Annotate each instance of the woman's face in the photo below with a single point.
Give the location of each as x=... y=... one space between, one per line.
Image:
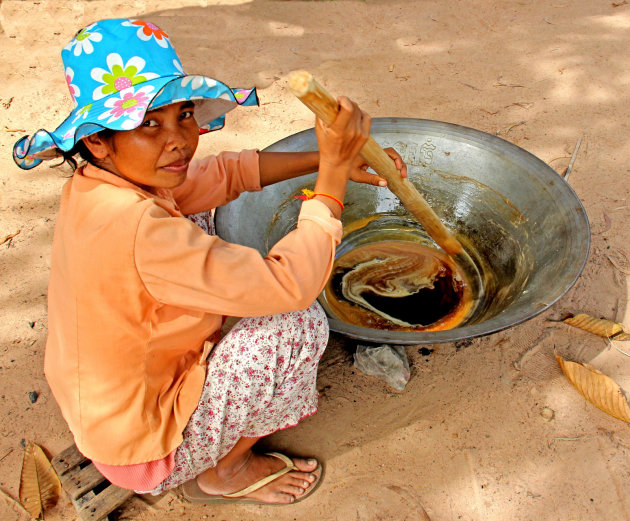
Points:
x=155 y=154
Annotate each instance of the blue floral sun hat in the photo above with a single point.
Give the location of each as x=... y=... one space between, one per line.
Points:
x=116 y=71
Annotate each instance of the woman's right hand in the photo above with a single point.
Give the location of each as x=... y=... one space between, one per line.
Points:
x=339 y=145
x=340 y=142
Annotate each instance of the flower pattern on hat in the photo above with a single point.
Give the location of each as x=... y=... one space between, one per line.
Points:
x=29 y=161
x=120 y=75
x=82 y=113
x=82 y=42
x=20 y=156
x=197 y=81
x=178 y=65
x=242 y=94
x=146 y=31
x=131 y=104
x=75 y=92
x=70 y=133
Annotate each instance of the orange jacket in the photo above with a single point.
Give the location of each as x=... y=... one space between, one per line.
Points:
x=137 y=292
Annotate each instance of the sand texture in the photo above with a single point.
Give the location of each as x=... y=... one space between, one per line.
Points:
x=471 y=437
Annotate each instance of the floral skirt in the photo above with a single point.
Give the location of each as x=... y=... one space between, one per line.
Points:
x=261 y=378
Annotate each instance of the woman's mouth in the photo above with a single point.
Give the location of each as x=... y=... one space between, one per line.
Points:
x=177 y=166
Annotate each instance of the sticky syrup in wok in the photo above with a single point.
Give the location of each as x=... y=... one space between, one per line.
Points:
x=400 y=286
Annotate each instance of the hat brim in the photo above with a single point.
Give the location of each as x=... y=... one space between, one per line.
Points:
x=125 y=110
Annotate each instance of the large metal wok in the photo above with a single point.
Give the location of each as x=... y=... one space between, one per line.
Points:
x=518 y=219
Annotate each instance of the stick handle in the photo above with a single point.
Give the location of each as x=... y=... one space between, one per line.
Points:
x=316 y=98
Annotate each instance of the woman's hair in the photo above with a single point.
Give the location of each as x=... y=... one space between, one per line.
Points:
x=83 y=152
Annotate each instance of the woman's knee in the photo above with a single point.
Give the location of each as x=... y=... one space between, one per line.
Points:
x=310 y=326
x=284 y=333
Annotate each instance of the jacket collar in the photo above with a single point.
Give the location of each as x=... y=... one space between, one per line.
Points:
x=162 y=196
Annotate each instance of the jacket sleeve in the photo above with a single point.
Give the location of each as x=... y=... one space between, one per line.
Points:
x=217 y=180
x=182 y=266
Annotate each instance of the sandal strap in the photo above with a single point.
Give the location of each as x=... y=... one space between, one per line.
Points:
x=264 y=481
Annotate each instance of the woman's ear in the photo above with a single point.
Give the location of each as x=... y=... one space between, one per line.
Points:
x=98 y=147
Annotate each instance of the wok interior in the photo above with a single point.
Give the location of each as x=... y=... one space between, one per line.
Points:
x=494 y=233
x=387 y=277
x=520 y=222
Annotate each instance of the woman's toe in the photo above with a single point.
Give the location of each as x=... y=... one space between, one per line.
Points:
x=305 y=465
x=302 y=481
x=293 y=490
x=283 y=497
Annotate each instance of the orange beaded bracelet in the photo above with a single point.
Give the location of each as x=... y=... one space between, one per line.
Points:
x=309 y=194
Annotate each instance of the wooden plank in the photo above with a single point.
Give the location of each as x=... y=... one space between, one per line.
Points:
x=78 y=481
x=84 y=500
x=104 y=503
x=67 y=459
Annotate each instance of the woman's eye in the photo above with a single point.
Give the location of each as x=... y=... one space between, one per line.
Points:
x=150 y=123
x=187 y=114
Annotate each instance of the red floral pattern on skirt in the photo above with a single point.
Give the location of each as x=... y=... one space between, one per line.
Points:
x=261 y=378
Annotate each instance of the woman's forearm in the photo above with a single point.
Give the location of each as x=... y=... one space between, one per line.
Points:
x=278 y=166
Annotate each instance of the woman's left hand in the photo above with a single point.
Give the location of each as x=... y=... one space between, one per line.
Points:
x=360 y=175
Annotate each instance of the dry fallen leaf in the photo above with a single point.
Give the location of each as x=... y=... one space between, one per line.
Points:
x=11 y=507
x=598 y=326
x=607 y=222
x=39 y=484
x=619 y=259
x=501 y=83
x=509 y=129
x=522 y=104
x=422 y=513
x=597 y=388
x=9 y=237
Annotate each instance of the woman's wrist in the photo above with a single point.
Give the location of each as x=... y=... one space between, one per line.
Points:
x=331 y=194
x=332 y=204
x=334 y=185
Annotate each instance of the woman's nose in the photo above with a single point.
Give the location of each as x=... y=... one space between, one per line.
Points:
x=176 y=139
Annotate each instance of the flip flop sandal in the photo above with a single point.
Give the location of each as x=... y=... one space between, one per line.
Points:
x=191 y=492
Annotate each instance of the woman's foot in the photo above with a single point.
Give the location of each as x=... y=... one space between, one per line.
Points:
x=224 y=479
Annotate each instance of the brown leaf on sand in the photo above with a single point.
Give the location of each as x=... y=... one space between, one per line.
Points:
x=598 y=326
x=509 y=128
x=39 y=484
x=607 y=223
x=9 y=237
x=619 y=259
x=422 y=513
x=12 y=510
x=597 y=388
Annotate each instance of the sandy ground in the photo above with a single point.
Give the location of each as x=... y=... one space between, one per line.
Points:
x=466 y=439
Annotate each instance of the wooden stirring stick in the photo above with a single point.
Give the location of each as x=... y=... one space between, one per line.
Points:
x=316 y=98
